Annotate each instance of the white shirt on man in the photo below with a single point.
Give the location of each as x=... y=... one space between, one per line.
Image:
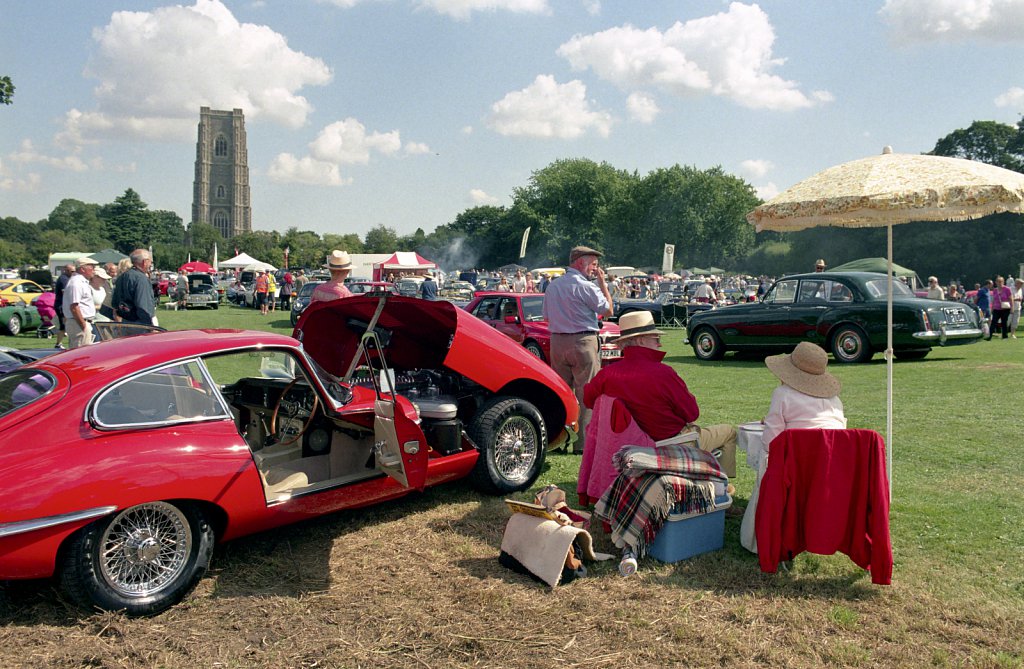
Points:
x=78 y=292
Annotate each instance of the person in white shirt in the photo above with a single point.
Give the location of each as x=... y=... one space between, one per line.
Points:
x=808 y=396
x=935 y=291
x=99 y=286
x=1018 y=297
x=79 y=307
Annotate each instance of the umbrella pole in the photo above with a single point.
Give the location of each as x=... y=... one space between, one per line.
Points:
x=888 y=366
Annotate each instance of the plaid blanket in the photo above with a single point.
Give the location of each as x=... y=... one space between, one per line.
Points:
x=650 y=483
x=680 y=460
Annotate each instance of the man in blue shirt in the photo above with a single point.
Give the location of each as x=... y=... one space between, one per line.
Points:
x=572 y=305
x=428 y=289
x=983 y=299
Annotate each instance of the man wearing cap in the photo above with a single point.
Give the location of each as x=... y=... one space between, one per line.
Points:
x=340 y=265
x=819 y=265
x=572 y=306
x=655 y=395
x=79 y=309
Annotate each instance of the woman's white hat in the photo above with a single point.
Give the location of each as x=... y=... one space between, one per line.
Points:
x=339 y=260
x=637 y=324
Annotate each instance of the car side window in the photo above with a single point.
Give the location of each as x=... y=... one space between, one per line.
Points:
x=840 y=293
x=509 y=308
x=783 y=292
x=176 y=393
x=487 y=309
x=813 y=291
x=533 y=308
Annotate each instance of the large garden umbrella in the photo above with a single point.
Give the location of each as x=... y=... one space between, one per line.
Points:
x=889 y=189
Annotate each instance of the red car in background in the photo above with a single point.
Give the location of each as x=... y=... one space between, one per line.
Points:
x=521 y=317
x=123 y=463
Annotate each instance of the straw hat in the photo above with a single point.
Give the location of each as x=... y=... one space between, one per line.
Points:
x=804 y=370
x=339 y=260
x=820 y=263
x=102 y=273
x=637 y=324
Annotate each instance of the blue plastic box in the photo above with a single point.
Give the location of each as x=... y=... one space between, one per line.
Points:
x=686 y=535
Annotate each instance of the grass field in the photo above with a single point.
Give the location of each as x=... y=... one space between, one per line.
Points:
x=416 y=583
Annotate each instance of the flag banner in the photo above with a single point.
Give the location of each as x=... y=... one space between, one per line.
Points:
x=522 y=246
x=667 y=258
x=215 y=268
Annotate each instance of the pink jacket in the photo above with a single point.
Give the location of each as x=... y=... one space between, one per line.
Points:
x=611 y=427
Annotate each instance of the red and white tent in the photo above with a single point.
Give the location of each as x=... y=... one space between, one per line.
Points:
x=402 y=261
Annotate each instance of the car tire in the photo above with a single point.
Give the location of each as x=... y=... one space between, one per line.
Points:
x=14 y=325
x=911 y=355
x=849 y=344
x=707 y=345
x=512 y=438
x=534 y=348
x=215 y=305
x=141 y=560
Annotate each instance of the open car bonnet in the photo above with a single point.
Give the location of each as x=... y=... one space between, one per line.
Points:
x=418 y=334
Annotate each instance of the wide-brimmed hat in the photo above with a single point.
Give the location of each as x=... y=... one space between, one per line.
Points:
x=805 y=370
x=636 y=324
x=339 y=260
x=102 y=273
x=578 y=252
x=819 y=263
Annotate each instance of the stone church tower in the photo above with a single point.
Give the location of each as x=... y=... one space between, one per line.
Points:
x=220 y=192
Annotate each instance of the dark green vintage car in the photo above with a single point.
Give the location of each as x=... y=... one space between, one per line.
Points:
x=843 y=312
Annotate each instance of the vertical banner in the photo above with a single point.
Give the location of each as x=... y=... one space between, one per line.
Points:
x=522 y=245
x=667 y=258
x=215 y=268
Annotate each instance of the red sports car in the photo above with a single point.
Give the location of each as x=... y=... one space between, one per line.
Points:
x=521 y=317
x=124 y=462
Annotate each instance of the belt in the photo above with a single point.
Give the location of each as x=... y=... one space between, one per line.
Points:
x=584 y=332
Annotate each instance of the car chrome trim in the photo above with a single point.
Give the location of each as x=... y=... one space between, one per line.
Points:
x=23 y=526
x=943 y=335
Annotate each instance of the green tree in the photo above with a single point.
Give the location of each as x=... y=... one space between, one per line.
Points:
x=988 y=142
x=6 y=90
x=305 y=248
x=202 y=237
x=166 y=227
x=380 y=239
x=261 y=245
x=129 y=222
x=80 y=219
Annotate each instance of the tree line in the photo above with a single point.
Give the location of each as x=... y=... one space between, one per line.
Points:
x=574 y=201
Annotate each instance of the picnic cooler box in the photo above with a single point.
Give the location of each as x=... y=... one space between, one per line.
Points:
x=685 y=535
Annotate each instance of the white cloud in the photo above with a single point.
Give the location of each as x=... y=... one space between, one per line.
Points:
x=416 y=148
x=546 y=108
x=767 y=191
x=461 y=9
x=727 y=54
x=1012 y=97
x=756 y=168
x=286 y=168
x=954 y=20
x=479 y=197
x=467 y=130
x=10 y=182
x=642 y=107
x=346 y=142
x=155 y=69
x=27 y=153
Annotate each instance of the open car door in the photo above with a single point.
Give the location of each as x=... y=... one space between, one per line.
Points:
x=399 y=444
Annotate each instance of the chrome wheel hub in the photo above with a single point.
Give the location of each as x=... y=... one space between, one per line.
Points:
x=144 y=549
x=516 y=448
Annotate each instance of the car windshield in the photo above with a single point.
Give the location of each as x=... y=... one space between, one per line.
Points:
x=880 y=288
x=22 y=387
x=308 y=288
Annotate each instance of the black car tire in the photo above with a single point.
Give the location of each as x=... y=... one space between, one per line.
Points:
x=140 y=560
x=707 y=345
x=911 y=355
x=849 y=344
x=512 y=439
x=534 y=348
x=14 y=325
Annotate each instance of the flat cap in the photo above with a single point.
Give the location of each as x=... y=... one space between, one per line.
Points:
x=580 y=251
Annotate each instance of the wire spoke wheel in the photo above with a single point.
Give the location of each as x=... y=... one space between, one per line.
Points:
x=144 y=549
x=516 y=448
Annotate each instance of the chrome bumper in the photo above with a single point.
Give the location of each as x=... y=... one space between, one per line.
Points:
x=942 y=336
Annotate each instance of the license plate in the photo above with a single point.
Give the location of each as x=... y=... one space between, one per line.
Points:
x=611 y=353
x=955 y=315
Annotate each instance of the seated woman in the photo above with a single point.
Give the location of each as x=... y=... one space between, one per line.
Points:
x=806 y=398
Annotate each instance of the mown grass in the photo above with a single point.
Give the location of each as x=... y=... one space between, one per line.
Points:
x=416 y=582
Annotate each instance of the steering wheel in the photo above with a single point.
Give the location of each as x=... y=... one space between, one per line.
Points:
x=277 y=409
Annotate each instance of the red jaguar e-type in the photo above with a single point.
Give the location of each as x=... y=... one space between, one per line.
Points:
x=122 y=463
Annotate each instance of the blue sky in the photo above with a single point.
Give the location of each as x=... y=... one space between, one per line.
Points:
x=407 y=112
